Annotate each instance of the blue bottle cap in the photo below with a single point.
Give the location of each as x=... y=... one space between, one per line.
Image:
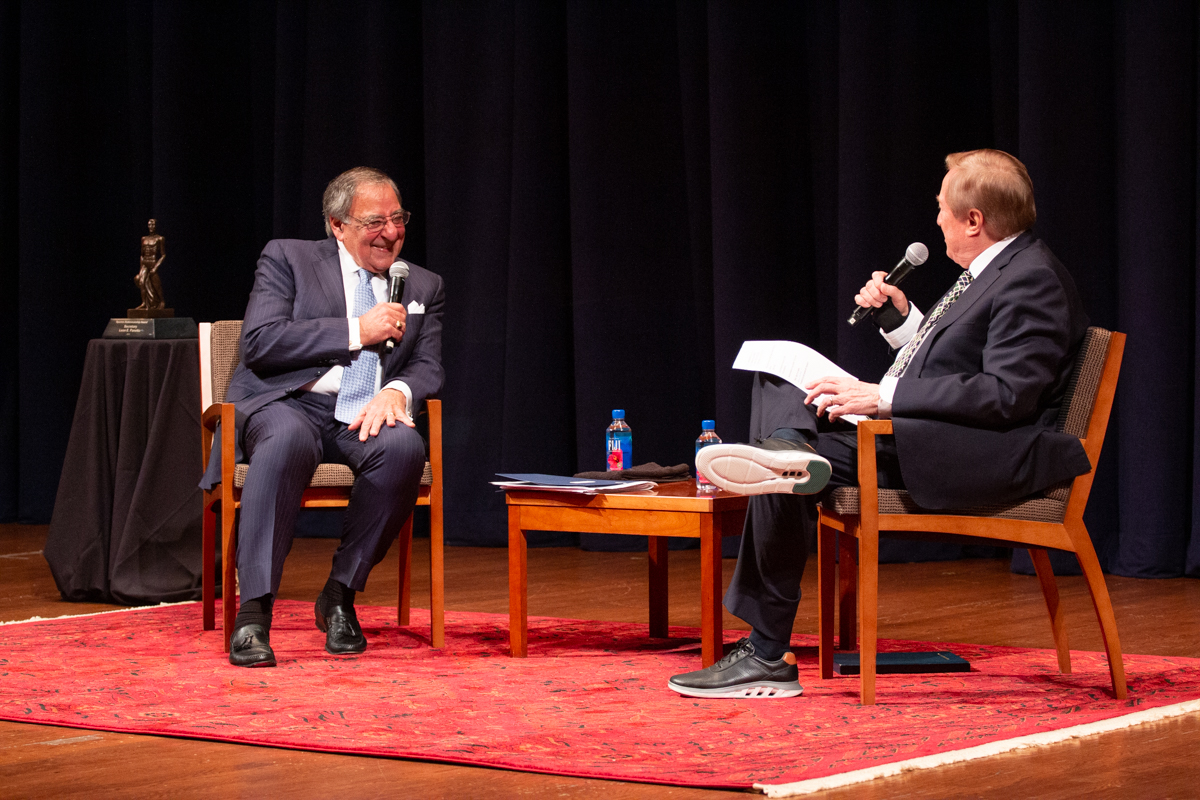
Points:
x=618 y=413
x=708 y=425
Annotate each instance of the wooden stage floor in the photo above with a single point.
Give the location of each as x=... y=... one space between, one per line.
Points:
x=967 y=601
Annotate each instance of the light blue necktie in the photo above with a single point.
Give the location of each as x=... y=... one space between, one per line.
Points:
x=906 y=354
x=358 y=379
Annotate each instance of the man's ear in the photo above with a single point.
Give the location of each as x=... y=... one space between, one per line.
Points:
x=338 y=227
x=974 y=222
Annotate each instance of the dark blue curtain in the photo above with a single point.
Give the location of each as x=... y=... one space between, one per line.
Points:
x=617 y=194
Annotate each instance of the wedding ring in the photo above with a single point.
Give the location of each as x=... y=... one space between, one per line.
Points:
x=397 y=324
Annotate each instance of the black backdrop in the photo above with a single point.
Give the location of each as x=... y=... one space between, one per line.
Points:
x=617 y=194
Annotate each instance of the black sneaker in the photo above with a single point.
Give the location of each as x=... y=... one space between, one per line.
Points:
x=741 y=674
x=773 y=466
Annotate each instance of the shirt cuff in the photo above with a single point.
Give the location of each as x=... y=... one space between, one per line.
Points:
x=898 y=337
x=402 y=387
x=887 y=390
x=355 y=335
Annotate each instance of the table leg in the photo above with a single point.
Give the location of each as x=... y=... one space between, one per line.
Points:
x=658 y=587
x=518 y=607
x=711 y=631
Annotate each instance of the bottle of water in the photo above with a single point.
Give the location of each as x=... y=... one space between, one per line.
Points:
x=620 y=442
x=707 y=436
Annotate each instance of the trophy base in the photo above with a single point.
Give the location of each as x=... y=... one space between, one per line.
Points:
x=151 y=328
x=151 y=313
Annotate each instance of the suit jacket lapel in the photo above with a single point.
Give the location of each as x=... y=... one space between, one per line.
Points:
x=978 y=288
x=329 y=275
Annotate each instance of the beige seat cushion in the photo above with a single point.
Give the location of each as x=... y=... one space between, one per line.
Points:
x=327 y=475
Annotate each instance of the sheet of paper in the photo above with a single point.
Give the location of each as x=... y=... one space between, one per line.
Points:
x=797 y=364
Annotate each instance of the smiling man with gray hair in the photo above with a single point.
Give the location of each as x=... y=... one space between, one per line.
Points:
x=315 y=384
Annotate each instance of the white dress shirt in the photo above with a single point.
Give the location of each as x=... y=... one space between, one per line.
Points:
x=898 y=337
x=331 y=381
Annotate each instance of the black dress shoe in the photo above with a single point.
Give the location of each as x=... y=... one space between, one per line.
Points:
x=343 y=635
x=250 y=646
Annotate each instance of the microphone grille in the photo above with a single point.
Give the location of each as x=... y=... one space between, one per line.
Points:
x=915 y=254
x=400 y=269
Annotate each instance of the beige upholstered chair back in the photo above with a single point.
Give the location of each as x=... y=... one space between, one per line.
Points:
x=225 y=352
x=1076 y=411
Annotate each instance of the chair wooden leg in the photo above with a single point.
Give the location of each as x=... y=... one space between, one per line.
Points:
x=1045 y=573
x=437 y=580
x=228 y=568
x=208 y=567
x=848 y=589
x=1103 y=605
x=404 y=550
x=868 y=611
x=826 y=544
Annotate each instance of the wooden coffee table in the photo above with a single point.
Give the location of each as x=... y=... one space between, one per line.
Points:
x=673 y=509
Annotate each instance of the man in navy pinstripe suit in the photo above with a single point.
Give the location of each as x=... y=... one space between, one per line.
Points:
x=301 y=339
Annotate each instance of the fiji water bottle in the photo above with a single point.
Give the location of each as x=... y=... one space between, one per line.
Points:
x=620 y=442
x=707 y=436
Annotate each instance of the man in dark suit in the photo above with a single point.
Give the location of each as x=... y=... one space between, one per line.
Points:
x=316 y=383
x=973 y=395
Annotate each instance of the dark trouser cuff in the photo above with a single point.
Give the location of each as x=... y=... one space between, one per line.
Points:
x=768 y=649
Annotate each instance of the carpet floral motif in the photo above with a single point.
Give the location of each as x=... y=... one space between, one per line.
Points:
x=590 y=700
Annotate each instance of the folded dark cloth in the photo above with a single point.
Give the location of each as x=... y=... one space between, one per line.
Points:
x=642 y=472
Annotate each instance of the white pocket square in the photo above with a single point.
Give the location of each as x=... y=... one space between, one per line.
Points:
x=416 y=308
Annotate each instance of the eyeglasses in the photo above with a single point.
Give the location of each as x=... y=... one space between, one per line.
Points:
x=376 y=224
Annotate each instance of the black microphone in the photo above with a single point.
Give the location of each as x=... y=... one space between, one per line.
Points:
x=398 y=272
x=914 y=257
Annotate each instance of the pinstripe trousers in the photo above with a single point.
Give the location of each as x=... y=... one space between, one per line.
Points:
x=283 y=442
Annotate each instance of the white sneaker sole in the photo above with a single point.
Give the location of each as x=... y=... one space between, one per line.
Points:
x=761 y=690
x=746 y=469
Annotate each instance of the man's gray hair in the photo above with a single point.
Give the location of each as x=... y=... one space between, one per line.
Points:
x=339 y=194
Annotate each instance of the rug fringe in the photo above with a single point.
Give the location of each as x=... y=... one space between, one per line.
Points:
x=982 y=751
x=98 y=613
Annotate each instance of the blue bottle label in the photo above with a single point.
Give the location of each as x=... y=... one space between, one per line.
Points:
x=620 y=450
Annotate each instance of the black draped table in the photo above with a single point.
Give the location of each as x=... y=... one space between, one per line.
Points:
x=126 y=521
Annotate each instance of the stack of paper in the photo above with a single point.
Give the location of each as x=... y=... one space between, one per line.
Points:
x=564 y=483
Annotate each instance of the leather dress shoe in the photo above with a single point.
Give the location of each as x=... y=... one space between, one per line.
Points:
x=772 y=466
x=343 y=635
x=250 y=646
x=741 y=674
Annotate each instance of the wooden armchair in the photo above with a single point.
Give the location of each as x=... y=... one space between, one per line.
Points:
x=330 y=487
x=1053 y=521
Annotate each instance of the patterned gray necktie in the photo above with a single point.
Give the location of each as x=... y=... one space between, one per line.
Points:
x=358 y=379
x=909 y=350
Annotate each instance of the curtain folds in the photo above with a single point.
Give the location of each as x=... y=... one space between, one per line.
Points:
x=617 y=195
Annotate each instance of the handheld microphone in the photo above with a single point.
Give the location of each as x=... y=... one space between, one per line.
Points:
x=914 y=257
x=398 y=272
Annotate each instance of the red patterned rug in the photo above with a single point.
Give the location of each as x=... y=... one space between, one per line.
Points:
x=590 y=701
